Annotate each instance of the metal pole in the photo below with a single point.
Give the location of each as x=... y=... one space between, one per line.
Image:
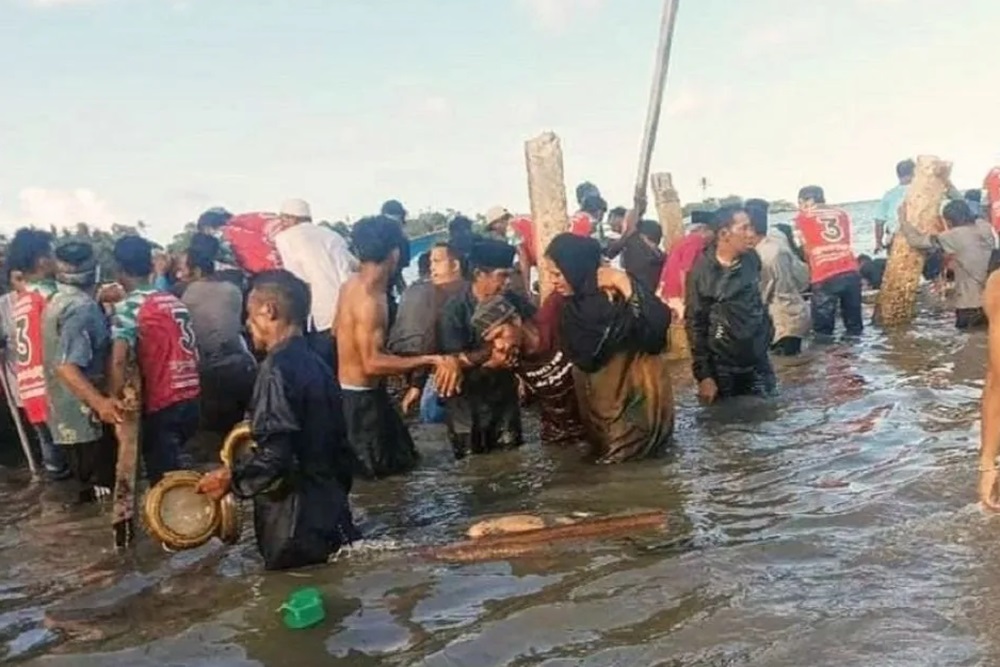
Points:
x=656 y=93
x=16 y=417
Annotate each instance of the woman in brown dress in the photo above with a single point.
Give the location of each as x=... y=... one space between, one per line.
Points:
x=613 y=330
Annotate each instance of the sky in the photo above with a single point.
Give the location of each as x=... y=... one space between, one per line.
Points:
x=154 y=110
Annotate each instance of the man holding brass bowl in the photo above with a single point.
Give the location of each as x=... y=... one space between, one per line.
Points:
x=299 y=474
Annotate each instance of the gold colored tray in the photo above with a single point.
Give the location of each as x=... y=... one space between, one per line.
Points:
x=177 y=515
x=230 y=521
x=238 y=440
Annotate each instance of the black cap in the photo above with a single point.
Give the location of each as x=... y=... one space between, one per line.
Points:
x=214 y=217
x=394 y=208
x=75 y=253
x=491 y=254
x=702 y=217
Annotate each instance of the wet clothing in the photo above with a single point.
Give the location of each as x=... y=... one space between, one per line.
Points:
x=970 y=247
x=789 y=346
x=165 y=434
x=300 y=474
x=627 y=403
x=226 y=388
x=826 y=239
x=431 y=408
x=841 y=292
x=970 y=318
x=380 y=441
x=486 y=415
x=93 y=463
x=74 y=331
x=728 y=325
x=783 y=279
x=325 y=347
x=158 y=327
x=594 y=327
x=548 y=376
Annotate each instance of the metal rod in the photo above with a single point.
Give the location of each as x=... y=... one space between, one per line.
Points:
x=16 y=416
x=656 y=93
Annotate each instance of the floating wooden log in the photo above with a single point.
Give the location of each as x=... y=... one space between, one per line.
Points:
x=898 y=296
x=547 y=192
x=532 y=540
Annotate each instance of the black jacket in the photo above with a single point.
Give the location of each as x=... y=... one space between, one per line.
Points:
x=299 y=476
x=728 y=326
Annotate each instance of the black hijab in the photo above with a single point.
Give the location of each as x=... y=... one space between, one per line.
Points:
x=592 y=325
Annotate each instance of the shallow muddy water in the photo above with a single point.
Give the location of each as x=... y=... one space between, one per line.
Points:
x=833 y=525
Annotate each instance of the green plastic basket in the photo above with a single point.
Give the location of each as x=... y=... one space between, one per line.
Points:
x=303 y=609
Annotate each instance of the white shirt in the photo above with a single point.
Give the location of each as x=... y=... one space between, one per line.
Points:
x=321 y=258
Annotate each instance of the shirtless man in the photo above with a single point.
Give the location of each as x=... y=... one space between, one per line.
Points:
x=377 y=434
x=989 y=446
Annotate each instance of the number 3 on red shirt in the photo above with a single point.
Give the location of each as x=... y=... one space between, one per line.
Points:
x=832 y=231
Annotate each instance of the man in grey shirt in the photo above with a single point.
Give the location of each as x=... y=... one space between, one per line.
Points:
x=77 y=344
x=226 y=366
x=969 y=242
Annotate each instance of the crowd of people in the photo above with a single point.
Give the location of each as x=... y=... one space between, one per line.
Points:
x=304 y=343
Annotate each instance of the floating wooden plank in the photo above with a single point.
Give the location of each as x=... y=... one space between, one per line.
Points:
x=547 y=193
x=519 y=542
x=124 y=509
x=898 y=297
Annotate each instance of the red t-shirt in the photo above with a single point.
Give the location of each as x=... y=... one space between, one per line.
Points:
x=29 y=362
x=251 y=238
x=158 y=326
x=826 y=238
x=582 y=224
x=524 y=228
x=992 y=187
x=680 y=260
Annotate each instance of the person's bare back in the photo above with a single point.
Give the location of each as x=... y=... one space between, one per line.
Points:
x=362 y=316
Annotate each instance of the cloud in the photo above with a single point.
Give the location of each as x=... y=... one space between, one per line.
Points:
x=778 y=37
x=690 y=101
x=554 y=15
x=63 y=208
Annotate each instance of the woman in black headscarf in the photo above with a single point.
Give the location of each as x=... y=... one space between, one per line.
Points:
x=614 y=331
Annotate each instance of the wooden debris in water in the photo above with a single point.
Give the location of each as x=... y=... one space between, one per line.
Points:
x=520 y=543
x=898 y=297
x=547 y=192
x=124 y=506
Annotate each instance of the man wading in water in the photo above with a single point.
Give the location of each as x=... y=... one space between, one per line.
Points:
x=381 y=442
x=299 y=475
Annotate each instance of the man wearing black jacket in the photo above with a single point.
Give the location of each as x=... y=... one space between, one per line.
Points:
x=727 y=323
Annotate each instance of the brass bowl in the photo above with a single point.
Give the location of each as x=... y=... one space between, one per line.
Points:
x=230 y=521
x=177 y=515
x=237 y=444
